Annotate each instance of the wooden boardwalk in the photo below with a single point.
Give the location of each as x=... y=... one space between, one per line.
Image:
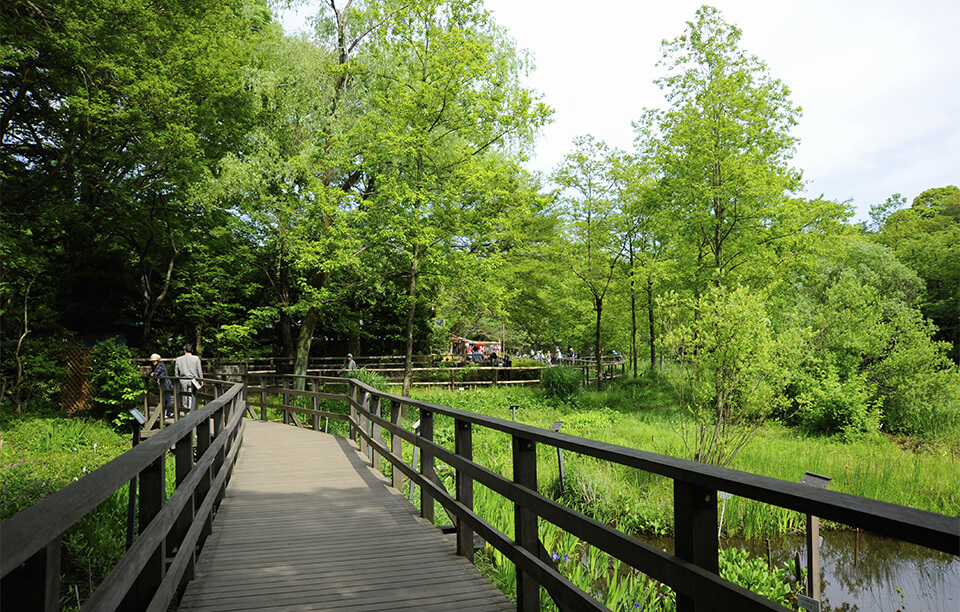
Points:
x=306 y=524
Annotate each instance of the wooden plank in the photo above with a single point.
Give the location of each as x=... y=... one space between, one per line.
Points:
x=306 y=524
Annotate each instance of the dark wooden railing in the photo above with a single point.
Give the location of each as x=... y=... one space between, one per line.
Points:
x=692 y=572
x=161 y=560
x=171 y=531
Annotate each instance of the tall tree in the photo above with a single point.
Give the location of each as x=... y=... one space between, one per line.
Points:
x=590 y=197
x=721 y=148
x=447 y=100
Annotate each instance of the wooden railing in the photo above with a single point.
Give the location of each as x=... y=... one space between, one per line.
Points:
x=692 y=572
x=171 y=531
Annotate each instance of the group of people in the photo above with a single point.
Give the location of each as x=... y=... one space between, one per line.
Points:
x=188 y=369
x=552 y=357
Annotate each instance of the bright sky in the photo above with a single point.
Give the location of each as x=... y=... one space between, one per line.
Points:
x=878 y=80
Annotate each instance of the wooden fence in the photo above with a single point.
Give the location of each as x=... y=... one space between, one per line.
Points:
x=692 y=572
x=171 y=531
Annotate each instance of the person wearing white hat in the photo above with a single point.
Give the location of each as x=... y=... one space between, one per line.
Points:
x=350 y=365
x=159 y=371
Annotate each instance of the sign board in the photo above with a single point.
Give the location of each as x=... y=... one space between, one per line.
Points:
x=724 y=495
x=808 y=603
x=816 y=480
x=137 y=415
x=556 y=426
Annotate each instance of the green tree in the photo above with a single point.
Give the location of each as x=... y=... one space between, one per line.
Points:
x=447 y=102
x=721 y=150
x=926 y=237
x=733 y=366
x=112 y=113
x=593 y=227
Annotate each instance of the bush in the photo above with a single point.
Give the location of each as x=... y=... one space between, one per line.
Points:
x=369 y=377
x=561 y=381
x=117 y=383
x=829 y=405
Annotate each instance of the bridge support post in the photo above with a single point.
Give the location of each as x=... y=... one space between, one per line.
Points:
x=203 y=487
x=396 y=444
x=353 y=412
x=375 y=433
x=363 y=423
x=464 y=448
x=35 y=585
x=525 y=521
x=153 y=495
x=695 y=518
x=183 y=457
x=426 y=463
x=315 y=387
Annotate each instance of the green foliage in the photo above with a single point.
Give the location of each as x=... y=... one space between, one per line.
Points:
x=117 y=383
x=561 y=381
x=370 y=377
x=732 y=364
x=753 y=574
x=829 y=405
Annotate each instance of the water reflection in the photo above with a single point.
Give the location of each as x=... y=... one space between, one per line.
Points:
x=867 y=572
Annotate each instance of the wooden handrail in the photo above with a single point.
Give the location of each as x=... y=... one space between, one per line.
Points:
x=692 y=572
x=140 y=579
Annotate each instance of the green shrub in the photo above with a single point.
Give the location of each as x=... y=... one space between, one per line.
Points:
x=369 y=377
x=117 y=383
x=829 y=405
x=753 y=574
x=561 y=381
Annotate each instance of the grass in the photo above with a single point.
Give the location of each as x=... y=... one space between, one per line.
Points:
x=644 y=414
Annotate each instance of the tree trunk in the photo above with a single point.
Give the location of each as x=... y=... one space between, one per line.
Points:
x=633 y=314
x=598 y=305
x=151 y=305
x=304 y=340
x=653 y=342
x=411 y=317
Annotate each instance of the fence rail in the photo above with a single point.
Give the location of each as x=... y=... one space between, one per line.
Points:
x=171 y=531
x=693 y=572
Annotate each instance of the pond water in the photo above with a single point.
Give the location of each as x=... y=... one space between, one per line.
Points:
x=865 y=572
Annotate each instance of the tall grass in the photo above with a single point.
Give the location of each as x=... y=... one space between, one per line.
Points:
x=643 y=414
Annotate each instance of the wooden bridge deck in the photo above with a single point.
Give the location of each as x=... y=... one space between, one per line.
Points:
x=306 y=524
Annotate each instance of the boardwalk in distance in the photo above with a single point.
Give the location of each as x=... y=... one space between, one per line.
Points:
x=306 y=524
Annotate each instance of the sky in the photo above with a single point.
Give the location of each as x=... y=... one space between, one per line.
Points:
x=878 y=80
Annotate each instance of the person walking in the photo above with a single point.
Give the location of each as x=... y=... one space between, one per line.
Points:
x=349 y=366
x=164 y=384
x=190 y=370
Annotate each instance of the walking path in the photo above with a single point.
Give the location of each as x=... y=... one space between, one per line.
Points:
x=306 y=524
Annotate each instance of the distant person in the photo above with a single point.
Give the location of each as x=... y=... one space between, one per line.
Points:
x=189 y=369
x=159 y=371
x=349 y=366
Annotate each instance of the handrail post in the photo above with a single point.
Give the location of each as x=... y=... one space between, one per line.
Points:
x=525 y=521
x=464 y=449
x=695 y=520
x=396 y=444
x=375 y=432
x=37 y=581
x=315 y=387
x=183 y=457
x=203 y=487
x=363 y=423
x=218 y=425
x=263 y=397
x=353 y=411
x=426 y=463
x=153 y=495
x=286 y=398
